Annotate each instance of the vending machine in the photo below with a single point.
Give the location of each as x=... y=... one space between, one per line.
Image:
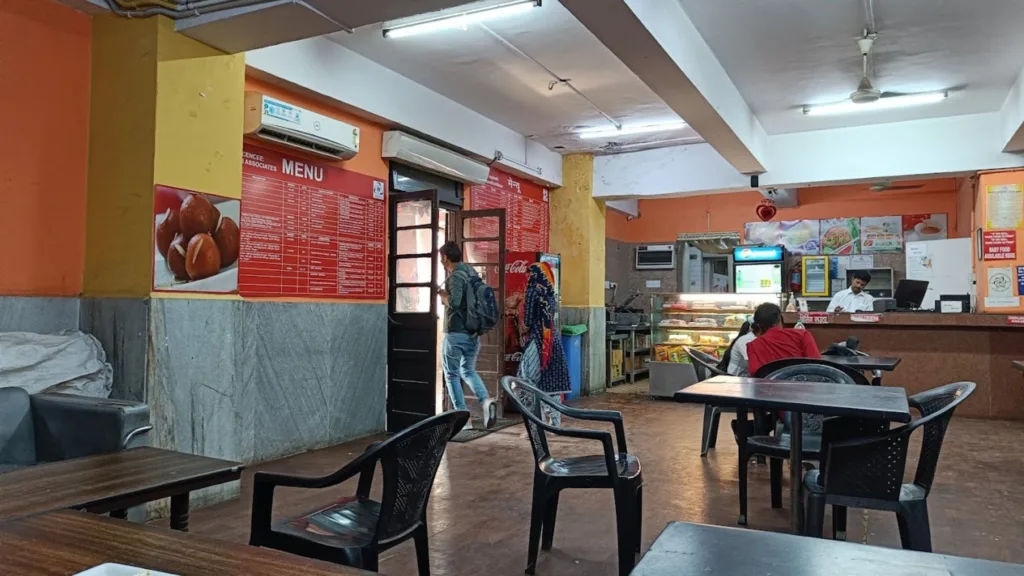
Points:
x=517 y=273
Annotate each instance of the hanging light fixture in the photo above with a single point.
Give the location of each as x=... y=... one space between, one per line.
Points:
x=460 y=20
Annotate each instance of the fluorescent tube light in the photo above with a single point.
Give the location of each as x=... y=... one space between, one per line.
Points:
x=460 y=20
x=629 y=130
x=883 y=103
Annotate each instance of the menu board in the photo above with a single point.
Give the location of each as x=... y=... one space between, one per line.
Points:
x=309 y=229
x=527 y=214
x=798 y=236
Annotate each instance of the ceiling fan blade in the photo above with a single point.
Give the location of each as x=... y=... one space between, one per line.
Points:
x=906 y=187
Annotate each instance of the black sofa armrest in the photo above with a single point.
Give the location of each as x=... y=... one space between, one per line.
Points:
x=68 y=426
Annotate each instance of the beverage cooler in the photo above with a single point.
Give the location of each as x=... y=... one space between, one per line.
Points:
x=517 y=273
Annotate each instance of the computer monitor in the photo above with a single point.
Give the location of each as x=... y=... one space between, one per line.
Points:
x=910 y=293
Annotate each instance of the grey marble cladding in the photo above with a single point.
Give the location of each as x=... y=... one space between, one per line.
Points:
x=594 y=378
x=38 y=314
x=620 y=267
x=121 y=326
x=253 y=381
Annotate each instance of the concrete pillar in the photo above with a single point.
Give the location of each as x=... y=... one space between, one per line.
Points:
x=578 y=234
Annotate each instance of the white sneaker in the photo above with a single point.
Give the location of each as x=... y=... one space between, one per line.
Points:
x=489 y=412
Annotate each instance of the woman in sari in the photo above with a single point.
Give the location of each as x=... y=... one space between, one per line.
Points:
x=543 y=363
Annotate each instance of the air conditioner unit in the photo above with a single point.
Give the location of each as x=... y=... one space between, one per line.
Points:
x=401 y=147
x=656 y=257
x=279 y=122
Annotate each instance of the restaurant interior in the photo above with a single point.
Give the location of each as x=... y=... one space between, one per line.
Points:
x=343 y=287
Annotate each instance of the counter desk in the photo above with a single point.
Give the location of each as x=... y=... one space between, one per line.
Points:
x=938 y=349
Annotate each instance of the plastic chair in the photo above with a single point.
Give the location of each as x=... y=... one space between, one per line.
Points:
x=777 y=447
x=706 y=366
x=857 y=376
x=864 y=463
x=619 y=472
x=354 y=530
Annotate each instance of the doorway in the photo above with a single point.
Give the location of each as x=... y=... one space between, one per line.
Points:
x=425 y=211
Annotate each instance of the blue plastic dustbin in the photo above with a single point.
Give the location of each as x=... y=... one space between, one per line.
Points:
x=572 y=343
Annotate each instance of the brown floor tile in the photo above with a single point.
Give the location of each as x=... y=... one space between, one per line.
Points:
x=480 y=507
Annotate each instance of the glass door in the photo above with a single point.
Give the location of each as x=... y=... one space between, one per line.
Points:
x=481 y=234
x=413 y=307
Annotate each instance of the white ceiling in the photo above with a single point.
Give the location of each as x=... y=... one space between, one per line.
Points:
x=478 y=71
x=782 y=54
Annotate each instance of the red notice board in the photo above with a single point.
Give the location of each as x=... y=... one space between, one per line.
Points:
x=310 y=229
x=999 y=244
x=527 y=214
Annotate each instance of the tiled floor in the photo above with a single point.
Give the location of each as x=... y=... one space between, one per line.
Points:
x=479 y=511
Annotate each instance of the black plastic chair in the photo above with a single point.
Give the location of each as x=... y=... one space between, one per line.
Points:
x=354 y=530
x=706 y=366
x=618 y=471
x=864 y=463
x=857 y=376
x=777 y=447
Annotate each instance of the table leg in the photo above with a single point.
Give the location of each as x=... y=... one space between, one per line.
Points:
x=741 y=442
x=179 y=512
x=796 y=480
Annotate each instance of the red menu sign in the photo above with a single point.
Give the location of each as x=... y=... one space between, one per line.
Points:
x=999 y=244
x=527 y=215
x=310 y=229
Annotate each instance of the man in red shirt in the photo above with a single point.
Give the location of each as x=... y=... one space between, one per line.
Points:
x=776 y=342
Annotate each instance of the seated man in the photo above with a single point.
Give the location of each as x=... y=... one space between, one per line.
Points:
x=775 y=342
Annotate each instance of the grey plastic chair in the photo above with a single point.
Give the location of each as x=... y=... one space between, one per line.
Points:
x=706 y=366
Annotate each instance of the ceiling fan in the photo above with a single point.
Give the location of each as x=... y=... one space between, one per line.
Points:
x=886 y=185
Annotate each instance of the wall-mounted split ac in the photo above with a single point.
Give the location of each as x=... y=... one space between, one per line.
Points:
x=279 y=122
x=656 y=257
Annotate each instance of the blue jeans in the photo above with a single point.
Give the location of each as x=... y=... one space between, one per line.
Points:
x=458 y=358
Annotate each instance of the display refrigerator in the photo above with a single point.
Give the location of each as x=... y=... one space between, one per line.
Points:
x=517 y=273
x=759 y=269
x=707 y=322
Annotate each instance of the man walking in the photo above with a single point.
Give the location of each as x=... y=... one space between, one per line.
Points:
x=460 y=347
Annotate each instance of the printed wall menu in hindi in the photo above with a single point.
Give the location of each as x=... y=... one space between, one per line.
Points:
x=310 y=229
x=1004 y=206
x=527 y=213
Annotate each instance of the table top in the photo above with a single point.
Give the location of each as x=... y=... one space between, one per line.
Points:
x=103 y=482
x=879 y=402
x=684 y=548
x=884 y=363
x=68 y=542
x=1019 y=365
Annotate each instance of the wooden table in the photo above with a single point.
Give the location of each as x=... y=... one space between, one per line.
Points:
x=684 y=548
x=883 y=363
x=68 y=542
x=828 y=399
x=113 y=483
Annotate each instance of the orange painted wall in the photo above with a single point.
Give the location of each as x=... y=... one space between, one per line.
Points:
x=981 y=268
x=44 y=63
x=661 y=220
x=371 y=135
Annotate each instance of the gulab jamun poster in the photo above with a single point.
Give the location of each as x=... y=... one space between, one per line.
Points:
x=197 y=242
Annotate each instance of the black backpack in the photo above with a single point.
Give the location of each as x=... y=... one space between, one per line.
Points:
x=481 y=306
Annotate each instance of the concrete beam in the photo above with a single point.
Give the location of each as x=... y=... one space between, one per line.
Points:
x=658 y=42
x=323 y=69
x=1012 y=116
x=951 y=146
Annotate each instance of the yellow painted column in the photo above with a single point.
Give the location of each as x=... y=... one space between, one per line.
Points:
x=578 y=234
x=165 y=109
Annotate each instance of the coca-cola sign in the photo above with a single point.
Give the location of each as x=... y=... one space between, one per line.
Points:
x=517 y=267
x=514 y=357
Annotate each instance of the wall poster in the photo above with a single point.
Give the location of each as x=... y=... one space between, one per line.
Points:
x=922 y=227
x=310 y=229
x=527 y=213
x=196 y=242
x=840 y=236
x=881 y=234
x=1004 y=206
x=798 y=236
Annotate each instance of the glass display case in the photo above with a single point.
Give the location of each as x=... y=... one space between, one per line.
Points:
x=708 y=322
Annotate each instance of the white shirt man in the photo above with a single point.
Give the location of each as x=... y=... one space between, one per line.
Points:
x=738 y=356
x=854 y=298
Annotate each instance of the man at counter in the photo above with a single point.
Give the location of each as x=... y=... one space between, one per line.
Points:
x=776 y=342
x=853 y=299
